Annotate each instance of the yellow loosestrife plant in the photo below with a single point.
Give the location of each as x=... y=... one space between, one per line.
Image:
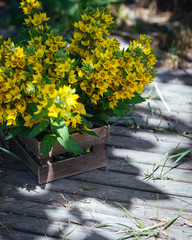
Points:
x=54 y=87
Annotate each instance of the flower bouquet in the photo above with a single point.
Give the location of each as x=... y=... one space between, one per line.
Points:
x=53 y=88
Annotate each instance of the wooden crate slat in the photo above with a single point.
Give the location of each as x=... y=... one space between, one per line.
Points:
x=72 y=166
x=45 y=170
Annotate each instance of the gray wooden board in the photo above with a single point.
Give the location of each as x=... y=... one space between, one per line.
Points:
x=122 y=166
x=154 y=136
x=148 y=158
x=81 y=214
x=49 y=228
x=178 y=115
x=154 y=123
x=101 y=191
x=19 y=235
x=179 y=80
x=131 y=142
x=174 y=88
x=175 y=106
x=52 y=228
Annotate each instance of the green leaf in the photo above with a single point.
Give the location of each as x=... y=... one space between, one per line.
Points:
x=86 y=122
x=42 y=114
x=48 y=142
x=6 y=127
x=63 y=133
x=68 y=40
x=105 y=105
x=15 y=132
x=32 y=108
x=90 y=133
x=120 y=109
x=47 y=80
x=58 y=123
x=135 y=100
x=39 y=128
x=102 y=116
x=70 y=145
x=27 y=74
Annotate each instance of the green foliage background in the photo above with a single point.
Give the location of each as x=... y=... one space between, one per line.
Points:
x=62 y=12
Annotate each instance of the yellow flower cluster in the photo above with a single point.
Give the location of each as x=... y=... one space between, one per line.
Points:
x=109 y=73
x=32 y=74
x=48 y=80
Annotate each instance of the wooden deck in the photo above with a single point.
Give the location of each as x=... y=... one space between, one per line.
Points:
x=91 y=204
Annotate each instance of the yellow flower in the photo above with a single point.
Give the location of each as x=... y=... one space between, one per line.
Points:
x=58 y=39
x=27 y=10
x=38 y=67
x=44 y=17
x=21 y=63
x=80 y=108
x=131 y=77
x=29 y=122
x=71 y=99
x=133 y=86
x=78 y=36
x=37 y=78
x=53 y=111
x=88 y=90
x=37 y=20
x=103 y=74
x=49 y=41
x=1 y=111
x=85 y=43
x=102 y=85
x=11 y=116
x=114 y=63
x=39 y=53
x=21 y=106
x=95 y=98
x=72 y=77
x=75 y=120
x=147 y=51
x=53 y=47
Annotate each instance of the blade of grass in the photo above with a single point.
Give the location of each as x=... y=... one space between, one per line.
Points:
x=181 y=155
x=134 y=234
x=70 y=233
x=183 y=135
x=175 y=217
x=14 y=155
x=103 y=225
x=139 y=224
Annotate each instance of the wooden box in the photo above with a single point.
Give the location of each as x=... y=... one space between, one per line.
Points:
x=45 y=169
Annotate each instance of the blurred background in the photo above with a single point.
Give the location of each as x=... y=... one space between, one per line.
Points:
x=169 y=23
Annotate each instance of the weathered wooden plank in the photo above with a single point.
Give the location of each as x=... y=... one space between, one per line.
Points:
x=18 y=235
x=156 y=136
x=130 y=142
x=175 y=106
x=79 y=213
x=131 y=156
x=144 y=170
x=131 y=182
x=184 y=117
x=173 y=88
x=154 y=123
x=164 y=71
x=51 y=228
x=85 y=189
x=180 y=79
